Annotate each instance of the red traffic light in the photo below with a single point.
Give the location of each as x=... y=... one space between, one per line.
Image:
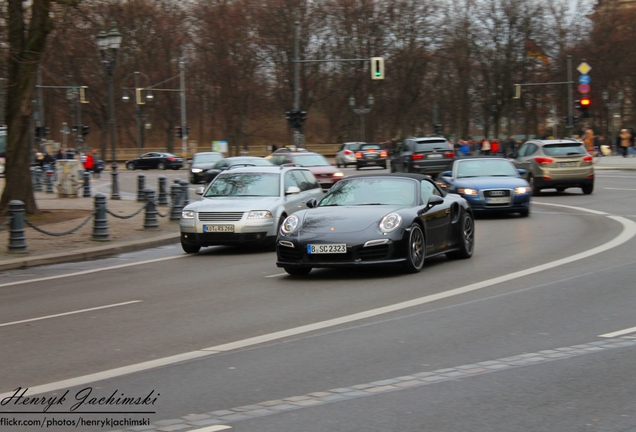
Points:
x=585 y=102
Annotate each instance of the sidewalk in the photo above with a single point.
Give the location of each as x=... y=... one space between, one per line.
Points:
x=125 y=235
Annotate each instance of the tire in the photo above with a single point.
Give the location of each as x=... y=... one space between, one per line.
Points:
x=190 y=248
x=588 y=188
x=525 y=213
x=467 y=240
x=130 y=166
x=161 y=166
x=357 y=167
x=535 y=190
x=416 y=250
x=297 y=271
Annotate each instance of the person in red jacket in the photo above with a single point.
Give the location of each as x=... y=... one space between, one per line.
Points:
x=89 y=163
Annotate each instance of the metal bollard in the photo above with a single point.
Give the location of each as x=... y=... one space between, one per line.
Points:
x=100 y=223
x=141 y=187
x=150 y=219
x=38 y=179
x=49 y=180
x=184 y=188
x=17 y=238
x=175 y=209
x=162 y=199
x=87 y=184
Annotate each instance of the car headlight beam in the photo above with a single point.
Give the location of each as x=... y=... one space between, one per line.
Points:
x=522 y=190
x=260 y=214
x=468 y=191
x=390 y=222
x=187 y=214
x=290 y=224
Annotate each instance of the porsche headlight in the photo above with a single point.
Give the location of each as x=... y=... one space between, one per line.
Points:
x=290 y=224
x=390 y=222
x=259 y=214
x=187 y=214
x=468 y=191
x=522 y=190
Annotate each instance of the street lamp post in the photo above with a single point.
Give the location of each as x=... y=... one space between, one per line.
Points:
x=109 y=43
x=361 y=112
x=612 y=106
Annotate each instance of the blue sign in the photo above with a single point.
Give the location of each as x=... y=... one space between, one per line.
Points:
x=584 y=79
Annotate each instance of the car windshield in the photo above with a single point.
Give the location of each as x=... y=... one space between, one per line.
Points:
x=206 y=158
x=564 y=149
x=245 y=184
x=310 y=160
x=370 y=147
x=486 y=168
x=353 y=147
x=371 y=191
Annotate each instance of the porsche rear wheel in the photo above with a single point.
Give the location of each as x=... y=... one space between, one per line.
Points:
x=467 y=240
x=297 y=271
x=415 y=254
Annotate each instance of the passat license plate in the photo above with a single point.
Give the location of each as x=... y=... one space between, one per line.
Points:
x=218 y=228
x=327 y=248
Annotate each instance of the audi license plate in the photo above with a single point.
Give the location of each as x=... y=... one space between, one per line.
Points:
x=218 y=228
x=327 y=248
x=501 y=200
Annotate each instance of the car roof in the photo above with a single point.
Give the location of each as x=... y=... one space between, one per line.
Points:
x=210 y=152
x=557 y=141
x=262 y=169
x=414 y=176
x=428 y=138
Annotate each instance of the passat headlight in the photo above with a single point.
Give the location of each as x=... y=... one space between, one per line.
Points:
x=467 y=191
x=259 y=214
x=290 y=224
x=522 y=190
x=390 y=222
x=187 y=214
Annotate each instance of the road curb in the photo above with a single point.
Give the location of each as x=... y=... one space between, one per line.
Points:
x=88 y=253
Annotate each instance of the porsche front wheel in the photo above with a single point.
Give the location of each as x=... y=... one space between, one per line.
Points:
x=415 y=253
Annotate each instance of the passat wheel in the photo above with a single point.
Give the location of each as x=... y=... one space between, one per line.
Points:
x=190 y=248
x=416 y=249
x=467 y=239
x=297 y=271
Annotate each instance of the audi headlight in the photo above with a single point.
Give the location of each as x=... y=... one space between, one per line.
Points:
x=290 y=224
x=187 y=214
x=522 y=190
x=196 y=170
x=468 y=191
x=390 y=222
x=259 y=214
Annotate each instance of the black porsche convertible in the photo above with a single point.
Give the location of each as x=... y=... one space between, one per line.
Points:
x=370 y=220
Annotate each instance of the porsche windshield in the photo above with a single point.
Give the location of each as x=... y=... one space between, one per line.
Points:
x=371 y=191
x=245 y=184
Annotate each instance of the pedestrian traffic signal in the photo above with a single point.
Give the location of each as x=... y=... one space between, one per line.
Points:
x=377 y=68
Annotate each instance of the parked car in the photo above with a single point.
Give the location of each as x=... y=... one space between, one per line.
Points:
x=233 y=162
x=246 y=205
x=373 y=220
x=282 y=150
x=155 y=160
x=346 y=155
x=326 y=173
x=371 y=154
x=488 y=184
x=201 y=162
x=558 y=164
x=426 y=155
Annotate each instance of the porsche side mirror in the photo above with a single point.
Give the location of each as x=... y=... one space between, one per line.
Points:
x=435 y=200
x=312 y=203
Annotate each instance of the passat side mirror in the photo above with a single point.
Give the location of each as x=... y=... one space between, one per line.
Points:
x=292 y=190
x=199 y=190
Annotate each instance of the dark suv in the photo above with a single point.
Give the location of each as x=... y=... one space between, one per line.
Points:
x=426 y=155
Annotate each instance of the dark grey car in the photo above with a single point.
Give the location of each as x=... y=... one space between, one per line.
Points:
x=425 y=155
x=201 y=162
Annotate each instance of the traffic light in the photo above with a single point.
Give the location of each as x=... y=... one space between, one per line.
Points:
x=187 y=130
x=437 y=128
x=584 y=105
x=377 y=68
x=178 y=131
x=85 y=130
x=302 y=116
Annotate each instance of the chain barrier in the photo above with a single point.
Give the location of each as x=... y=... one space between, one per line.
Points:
x=71 y=231
x=126 y=217
x=6 y=223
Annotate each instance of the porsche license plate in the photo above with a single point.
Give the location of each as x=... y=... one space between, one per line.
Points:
x=218 y=228
x=327 y=248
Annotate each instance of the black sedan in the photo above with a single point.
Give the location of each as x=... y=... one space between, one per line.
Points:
x=155 y=160
x=391 y=219
x=231 y=162
x=201 y=162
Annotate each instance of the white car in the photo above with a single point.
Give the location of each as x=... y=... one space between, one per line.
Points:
x=246 y=205
x=346 y=155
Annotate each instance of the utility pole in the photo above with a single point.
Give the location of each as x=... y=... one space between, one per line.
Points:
x=184 y=127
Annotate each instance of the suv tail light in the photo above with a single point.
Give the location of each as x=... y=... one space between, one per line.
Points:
x=588 y=158
x=449 y=155
x=348 y=152
x=417 y=156
x=543 y=160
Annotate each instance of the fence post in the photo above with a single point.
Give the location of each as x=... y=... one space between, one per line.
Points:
x=17 y=238
x=87 y=184
x=184 y=188
x=163 y=195
x=100 y=223
x=38 y=179
x=141 y=187
x=150 y=219
x=175 y=209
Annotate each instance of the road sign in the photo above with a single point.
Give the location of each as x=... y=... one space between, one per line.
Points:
x=584 y=68
x=584 y=88
x=584 y=79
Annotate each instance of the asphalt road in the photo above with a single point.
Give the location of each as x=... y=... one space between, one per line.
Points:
x=522 y=337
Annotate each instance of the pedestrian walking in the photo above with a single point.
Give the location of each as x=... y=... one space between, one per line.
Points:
x=624 y=141
x=485 y=147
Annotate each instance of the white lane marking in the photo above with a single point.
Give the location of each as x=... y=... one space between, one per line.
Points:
x=618 y=333
x=70 y=313
x=277 y=275
x=621 y=189
x=628 y=232
x=212 y=428
x=85 y=272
